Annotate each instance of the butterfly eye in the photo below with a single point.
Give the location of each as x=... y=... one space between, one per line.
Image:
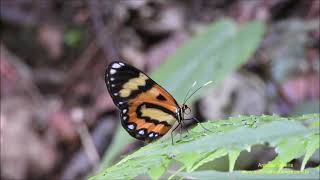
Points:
x=186 y=109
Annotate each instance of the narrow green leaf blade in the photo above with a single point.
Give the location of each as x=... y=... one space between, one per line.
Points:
x=312 y=145
x=233 y=155
x=210 y=56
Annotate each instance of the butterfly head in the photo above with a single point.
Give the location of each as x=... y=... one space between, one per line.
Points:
x=185 y=109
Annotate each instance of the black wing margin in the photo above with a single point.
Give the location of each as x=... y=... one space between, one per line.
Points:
x=119 y=73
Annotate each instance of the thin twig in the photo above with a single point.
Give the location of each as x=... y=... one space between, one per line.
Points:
x=88 y=145
x=104 y=37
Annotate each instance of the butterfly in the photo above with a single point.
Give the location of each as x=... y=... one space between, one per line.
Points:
x=147 y=110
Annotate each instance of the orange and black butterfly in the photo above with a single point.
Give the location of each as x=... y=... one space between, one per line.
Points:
x=148 y=111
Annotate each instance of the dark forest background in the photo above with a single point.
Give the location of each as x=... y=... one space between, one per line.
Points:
x=54 y=53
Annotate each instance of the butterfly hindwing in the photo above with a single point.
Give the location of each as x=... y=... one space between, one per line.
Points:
x=147 y=110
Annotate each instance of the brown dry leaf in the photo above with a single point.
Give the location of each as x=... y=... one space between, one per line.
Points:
x=133 y=56
x=301 y=88
x=170 y=19
x=81 y=16
x=244 y=11
x=51 y=38
x=61 y=122
x=136 y=4
x=23 y=152
x=16 y=77
x=8 y=77
x=103 y=102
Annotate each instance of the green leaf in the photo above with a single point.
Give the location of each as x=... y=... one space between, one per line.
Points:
x=233 y=155
x=211 y=55
x=212 y=156
x=287 y=149
x=157 y=170
x=245 y=135
x=288 y=135
x=188 y=159
x=312 y=145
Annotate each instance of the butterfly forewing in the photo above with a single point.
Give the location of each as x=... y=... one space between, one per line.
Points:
x=147 y=110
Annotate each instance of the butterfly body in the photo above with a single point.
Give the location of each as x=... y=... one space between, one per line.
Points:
x=147 y=110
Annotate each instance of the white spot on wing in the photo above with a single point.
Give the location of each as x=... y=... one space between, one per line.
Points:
x=112 y=85
x=115 y=65
x=151 y=135
x=115 y=94
x=121 y=63
x=112 y=71
x=141 y=132
x=124 y=111
x=131 y=126
x=112 y=79
x=124 y=117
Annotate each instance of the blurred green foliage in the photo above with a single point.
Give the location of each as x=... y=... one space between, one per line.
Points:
x=210 y=56
x=73 y=37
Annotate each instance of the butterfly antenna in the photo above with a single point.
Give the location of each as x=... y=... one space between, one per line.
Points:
x=207 y=83
x=185 y=98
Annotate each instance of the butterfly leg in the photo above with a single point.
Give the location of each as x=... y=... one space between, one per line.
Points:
x=186 y=128
x=174 y=130
x=188 y=132
x=180 y=131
